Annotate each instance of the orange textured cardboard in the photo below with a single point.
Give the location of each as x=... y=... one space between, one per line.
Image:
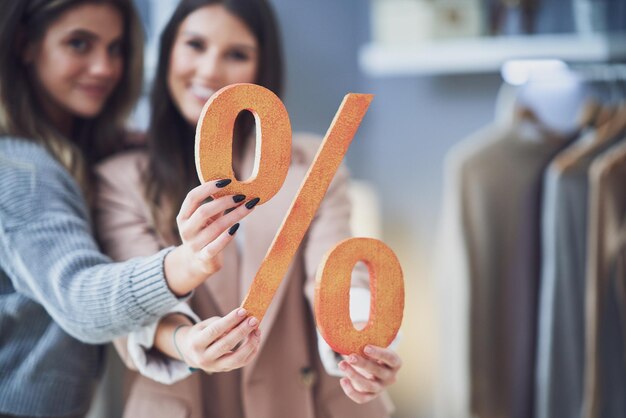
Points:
x=214 y=140
x=332 y=295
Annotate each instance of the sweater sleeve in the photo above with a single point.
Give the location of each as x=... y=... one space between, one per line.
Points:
x=48 y=252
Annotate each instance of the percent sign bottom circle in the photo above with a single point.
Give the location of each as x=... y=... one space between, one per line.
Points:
x=332 y=295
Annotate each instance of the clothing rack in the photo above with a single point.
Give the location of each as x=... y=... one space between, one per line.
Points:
x=556 y=91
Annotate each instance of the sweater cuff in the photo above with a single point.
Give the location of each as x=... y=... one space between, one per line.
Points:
x=149 y=286
x=152 y=363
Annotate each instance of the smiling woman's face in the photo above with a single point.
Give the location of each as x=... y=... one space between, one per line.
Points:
x=213 y=49
x=78 y=62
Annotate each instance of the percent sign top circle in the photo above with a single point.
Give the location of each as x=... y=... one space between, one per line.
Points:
x=214 y=140
x=214 y=160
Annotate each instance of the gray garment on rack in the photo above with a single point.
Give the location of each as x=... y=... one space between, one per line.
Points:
x=561 y=329
x=522 y=289
x=492 y=182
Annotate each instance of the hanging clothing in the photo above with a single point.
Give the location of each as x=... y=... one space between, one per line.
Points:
x=495 y=179
x=605 y=361
x=560 y=342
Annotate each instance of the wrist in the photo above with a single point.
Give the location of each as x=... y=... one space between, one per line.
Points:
x=178 y=336
x=177 y=276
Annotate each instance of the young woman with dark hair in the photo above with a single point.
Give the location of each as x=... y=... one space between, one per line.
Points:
x=171 y=163
x=209 y=44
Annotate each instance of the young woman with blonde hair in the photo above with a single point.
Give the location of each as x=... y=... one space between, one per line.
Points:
x=70 y=71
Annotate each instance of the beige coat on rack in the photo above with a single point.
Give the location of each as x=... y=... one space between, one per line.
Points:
x=605 y=252
x=286 y=378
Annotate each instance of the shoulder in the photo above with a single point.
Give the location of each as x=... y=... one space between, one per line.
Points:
x=22 y=154
x=32 y=180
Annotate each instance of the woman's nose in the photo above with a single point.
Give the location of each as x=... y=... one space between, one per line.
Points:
x=210 y=67
x=105 y=64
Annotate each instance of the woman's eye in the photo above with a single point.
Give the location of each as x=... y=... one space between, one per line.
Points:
x=78 y=45
x=195 y=44
x=116 y=49
x=239 y=56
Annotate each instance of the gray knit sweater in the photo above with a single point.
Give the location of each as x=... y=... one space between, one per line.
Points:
x=57 y=289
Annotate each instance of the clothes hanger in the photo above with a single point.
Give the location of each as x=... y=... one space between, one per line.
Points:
x=525 y=117
x=608 y=122
x=620 y=116
x=616 y=122
x=589 y=114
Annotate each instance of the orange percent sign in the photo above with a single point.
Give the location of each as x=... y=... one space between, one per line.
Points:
x=213 y=154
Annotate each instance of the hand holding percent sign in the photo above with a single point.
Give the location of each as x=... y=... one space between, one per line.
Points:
x=273 y=153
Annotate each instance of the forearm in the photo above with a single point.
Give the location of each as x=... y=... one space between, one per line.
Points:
x=150 y=350
x=48 y=252
x=91 y=298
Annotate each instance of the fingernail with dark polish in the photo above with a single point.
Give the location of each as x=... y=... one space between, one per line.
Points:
x=233 y=229
x=229 y=210
x=239 y=198
x=223 y=183
x=253 y=202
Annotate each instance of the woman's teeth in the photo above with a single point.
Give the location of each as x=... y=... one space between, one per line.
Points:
x=201 y=92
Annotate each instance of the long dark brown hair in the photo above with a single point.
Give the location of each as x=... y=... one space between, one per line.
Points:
x=171 y=172
x=24 y=23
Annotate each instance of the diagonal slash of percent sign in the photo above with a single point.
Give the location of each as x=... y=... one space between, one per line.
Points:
x=214 y=161
x=307 y=201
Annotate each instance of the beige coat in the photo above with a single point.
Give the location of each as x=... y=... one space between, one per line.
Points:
x=286 y=378
x=606 y=273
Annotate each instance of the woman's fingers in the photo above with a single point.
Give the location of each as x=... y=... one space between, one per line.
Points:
x=384 y=355
x=360 y=382
x=213 y=249
x=206 y=228
x=220 y=344
x=243 y=354
x=354 y=394
x=366 y=377
x=197 y=196
x=373 y=368
x=214 y=328
x=229 y=340
x=205 y=213
x=212 y=231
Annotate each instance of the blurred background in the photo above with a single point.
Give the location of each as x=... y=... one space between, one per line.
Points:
x=440 y=70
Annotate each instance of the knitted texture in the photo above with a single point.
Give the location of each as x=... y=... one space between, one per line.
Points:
x=57 y=289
